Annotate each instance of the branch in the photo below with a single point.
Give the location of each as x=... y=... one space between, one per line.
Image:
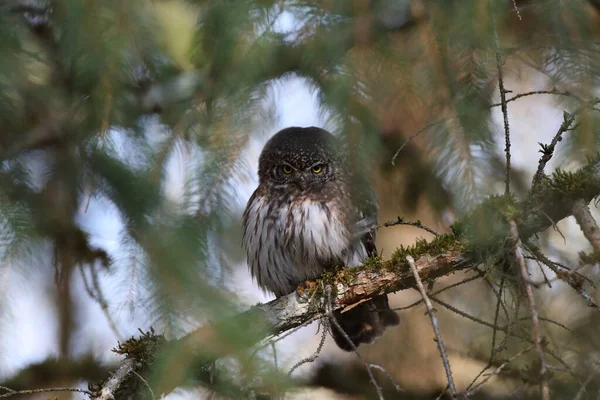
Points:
x=416 y=224
x=12 y=393
x=552 y=201
x=503 y=101
x=497 y=371
x=587 y=223
x=535 y=322
x=337 y=325
x=535 y=92
x=435 y=325
x=548 y=150
x=52 y=370
x=107 y=392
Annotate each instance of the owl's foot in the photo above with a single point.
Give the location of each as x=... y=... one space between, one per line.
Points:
x=305 y=291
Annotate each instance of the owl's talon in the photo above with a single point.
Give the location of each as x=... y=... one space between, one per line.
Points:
x=305 y=290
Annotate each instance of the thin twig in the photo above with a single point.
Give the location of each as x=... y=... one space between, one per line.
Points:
x=274 y=348
x=387 y=374
x=550 y=321
x=442 y=393
x=337 y=325
x=516 y=97
x=581 y=390
x=496 y=316
x=44 y=390
x=568 y=276
x=434 y=324
x=548 y=150
x=416 y=224
x=553 y=265
x=96 y=294
x=416 y=303
x=495 y=350
x=535 y=92
x=316 y=354
x=554 y=224
x=141 y=378
x=490 y=283
x=535 y=322
x=517 y=9
x=586 y=296
x=414 y=135
x=587 y=223
x=277 y=338
x=113 y=384
x=497 y=371
x=503 y=92
x=506 y=329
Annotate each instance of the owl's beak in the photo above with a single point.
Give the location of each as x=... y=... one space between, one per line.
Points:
x=301 y=182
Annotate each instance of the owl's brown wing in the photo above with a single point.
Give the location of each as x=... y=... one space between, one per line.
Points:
x=366 y=206
x=368 y=320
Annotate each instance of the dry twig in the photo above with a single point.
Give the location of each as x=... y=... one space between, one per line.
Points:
x=434 y=324
x=317 y=352
x=535 y=322
x=497 y=371
x=416 y=224
x=506 y=329
x=516 y=7
x=387 y=374
x=535 y=92
x=97 y=295
x=113 y=384
x=587 y=223
x=44 y=390
x=548 y=150
x=414 y=135
x=337 y=325
x=503 y=93
x=416 y=303
x=145 y=382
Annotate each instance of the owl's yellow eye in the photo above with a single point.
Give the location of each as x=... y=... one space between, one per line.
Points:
x=317 y=169
x=287 y=169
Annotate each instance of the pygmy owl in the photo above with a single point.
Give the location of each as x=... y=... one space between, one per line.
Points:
x=308 y=215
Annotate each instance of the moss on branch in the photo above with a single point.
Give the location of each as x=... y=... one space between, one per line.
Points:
x=476 y=237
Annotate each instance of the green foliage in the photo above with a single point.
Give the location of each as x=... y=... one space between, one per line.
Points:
x=98 y=97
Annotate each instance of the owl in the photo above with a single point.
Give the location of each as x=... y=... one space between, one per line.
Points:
x=309 y=214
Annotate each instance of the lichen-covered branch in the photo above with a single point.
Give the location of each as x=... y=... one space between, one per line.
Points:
x=116 y=380
x=474 y=239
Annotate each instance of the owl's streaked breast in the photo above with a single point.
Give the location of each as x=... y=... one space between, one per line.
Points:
x=290 y=242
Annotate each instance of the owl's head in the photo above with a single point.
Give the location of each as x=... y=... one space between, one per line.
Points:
x=304 y=157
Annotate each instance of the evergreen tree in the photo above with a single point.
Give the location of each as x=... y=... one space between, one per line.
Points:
x=101 y=101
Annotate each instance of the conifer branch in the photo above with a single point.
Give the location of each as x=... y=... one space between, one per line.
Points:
x=548 y=150
x=503 y=101
x=446 y=254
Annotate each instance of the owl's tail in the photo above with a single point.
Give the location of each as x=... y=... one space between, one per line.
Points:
x=363 y=323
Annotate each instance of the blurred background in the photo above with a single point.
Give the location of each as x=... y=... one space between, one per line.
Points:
x=130 y=133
